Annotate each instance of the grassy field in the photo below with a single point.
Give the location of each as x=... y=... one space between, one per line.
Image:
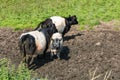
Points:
x=20 y=14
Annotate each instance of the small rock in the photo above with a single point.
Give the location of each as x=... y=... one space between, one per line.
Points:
x=98 y=44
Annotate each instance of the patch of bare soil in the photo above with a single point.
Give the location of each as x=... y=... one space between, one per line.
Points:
x=86 y=55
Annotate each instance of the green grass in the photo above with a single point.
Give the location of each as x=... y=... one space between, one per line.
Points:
x=9 y=72
x=20 y=14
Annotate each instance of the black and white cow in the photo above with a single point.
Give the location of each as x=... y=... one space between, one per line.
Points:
x=56 y=44
x=63 y=24
x=36 y=42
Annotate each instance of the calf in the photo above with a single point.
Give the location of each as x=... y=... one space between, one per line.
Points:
x=63 y=24
x=56 y=44
x=36 y=42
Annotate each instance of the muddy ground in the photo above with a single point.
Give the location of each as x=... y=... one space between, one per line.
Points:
x=87 y=55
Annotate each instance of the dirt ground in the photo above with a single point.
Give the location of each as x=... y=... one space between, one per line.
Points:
x=86 y=55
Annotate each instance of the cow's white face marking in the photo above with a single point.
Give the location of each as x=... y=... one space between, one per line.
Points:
x=60 y=43
x=57 y=35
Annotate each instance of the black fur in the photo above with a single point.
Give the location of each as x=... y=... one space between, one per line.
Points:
x=27 y=44
x=44 y=24
x=48 y=32
x=71 y=20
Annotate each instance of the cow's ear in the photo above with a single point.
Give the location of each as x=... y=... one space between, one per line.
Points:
x=74 y=15
x=69 y=15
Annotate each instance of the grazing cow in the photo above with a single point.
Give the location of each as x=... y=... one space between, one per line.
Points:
x=56 y=44
x=36 y=42
x=63 y=24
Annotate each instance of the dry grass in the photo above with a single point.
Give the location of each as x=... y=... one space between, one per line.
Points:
x=93 y=75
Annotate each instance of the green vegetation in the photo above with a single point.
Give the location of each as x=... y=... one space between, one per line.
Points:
x=21 y=14
x=9 y=72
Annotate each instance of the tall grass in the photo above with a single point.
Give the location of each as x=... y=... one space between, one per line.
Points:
x=8 y=72
x=21 y=14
